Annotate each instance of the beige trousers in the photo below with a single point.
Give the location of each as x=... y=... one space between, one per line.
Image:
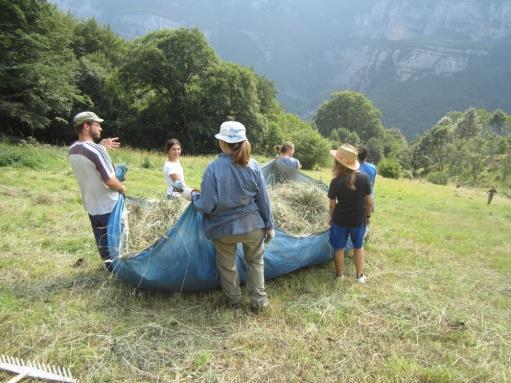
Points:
x=226 y=263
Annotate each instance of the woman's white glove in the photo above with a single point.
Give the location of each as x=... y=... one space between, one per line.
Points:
x=187 y=193
x=269 y=235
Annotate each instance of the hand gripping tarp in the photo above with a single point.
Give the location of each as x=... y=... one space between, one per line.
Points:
x=183 y=259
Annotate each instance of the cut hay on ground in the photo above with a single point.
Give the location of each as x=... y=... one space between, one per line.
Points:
x=298 y=208
x=148 y=220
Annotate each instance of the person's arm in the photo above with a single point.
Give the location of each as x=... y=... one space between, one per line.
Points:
x=114 y=184
x=106 y=169
x=369 y=204
x=110 y=143
x=263 y=202
x=332 y=196
x=331 y=209
x=206 y=200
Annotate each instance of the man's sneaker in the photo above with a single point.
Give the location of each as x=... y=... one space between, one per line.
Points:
x=361 y=279
x=339 y=276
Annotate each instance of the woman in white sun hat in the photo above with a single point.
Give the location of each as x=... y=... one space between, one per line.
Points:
x=350 y=202
x=236 y=207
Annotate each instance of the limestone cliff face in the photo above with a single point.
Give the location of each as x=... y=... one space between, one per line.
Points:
x=398 y=19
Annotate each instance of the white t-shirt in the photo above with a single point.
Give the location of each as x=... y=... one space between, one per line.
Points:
x=172 y=168
x=92 y=167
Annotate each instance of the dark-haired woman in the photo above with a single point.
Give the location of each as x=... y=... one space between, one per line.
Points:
x=350 y=207
x=172 y=169
x=286 y=151
x=236 y=207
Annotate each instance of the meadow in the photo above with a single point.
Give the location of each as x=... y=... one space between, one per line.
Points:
x=436 y=308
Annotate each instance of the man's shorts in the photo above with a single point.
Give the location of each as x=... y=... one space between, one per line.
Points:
x=339 y=236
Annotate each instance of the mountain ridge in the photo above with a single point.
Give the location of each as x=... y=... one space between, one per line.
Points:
x=384 y=48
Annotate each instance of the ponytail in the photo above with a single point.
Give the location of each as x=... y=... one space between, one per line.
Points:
x=241 y=152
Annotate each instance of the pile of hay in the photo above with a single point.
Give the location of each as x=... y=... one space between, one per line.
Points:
x=148 y=220
x=299 y=209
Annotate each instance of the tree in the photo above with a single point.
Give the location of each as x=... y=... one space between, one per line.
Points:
x=497 y=121
x=344 y=136
x=351 y=111
x=231 y=90
x=310 y=147
x=374 y=150
x=36 y=66
x=393 y=142
x=162 y=69
x=431 y=150
x=469 y=125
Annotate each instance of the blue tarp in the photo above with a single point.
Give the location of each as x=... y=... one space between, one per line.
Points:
x=183 y=259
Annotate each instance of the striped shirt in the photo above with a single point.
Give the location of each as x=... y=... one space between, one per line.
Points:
x=92 y=167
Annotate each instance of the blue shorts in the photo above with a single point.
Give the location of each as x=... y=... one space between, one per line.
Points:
x=339 y=236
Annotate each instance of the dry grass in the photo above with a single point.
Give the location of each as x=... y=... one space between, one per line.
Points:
x=148 y=220
x=298 y=208
x=436 y=307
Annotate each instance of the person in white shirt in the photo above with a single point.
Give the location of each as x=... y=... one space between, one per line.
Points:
x=95 y=173
x=172 y=169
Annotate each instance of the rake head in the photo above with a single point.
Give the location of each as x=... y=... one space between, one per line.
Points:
x=36 y=370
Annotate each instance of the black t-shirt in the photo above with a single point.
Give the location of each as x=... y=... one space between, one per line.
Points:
x=350 y=210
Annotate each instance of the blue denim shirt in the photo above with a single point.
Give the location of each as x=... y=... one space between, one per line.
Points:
x=233 y=198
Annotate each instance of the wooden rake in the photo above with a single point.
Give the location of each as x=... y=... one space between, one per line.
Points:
x=34 y=370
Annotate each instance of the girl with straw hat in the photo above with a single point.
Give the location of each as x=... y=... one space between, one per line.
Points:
x=350 y=202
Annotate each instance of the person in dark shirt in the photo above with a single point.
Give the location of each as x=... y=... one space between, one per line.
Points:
x=350 y=204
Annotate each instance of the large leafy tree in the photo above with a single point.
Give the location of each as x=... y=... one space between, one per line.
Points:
x=469 y=125
x=162 y=70
x=100 y=53
x=229 y=90
x=431 y=151
x=352 y=111
x=37 y=66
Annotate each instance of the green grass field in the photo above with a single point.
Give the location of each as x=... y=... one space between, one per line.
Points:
x=436 y=308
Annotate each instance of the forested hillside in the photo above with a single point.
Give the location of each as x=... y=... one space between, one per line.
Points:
x=172 y=83
x=416 y=60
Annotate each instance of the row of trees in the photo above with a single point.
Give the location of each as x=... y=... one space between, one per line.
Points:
x=470 y=147
x=171 y=83
x=168 y=83
x=467 y=147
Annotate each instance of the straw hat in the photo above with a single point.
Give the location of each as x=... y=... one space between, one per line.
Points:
x=346 y=155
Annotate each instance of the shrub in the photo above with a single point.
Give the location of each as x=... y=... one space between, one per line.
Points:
x=438 y=178
x=146 y=163
x=311 y=148
x=390 y=168
x=17 y=156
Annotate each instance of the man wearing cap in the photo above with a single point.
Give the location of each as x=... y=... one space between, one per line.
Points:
x=236 y=209
x=95 y=173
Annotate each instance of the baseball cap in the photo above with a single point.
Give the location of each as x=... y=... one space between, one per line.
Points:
x=82 y=117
